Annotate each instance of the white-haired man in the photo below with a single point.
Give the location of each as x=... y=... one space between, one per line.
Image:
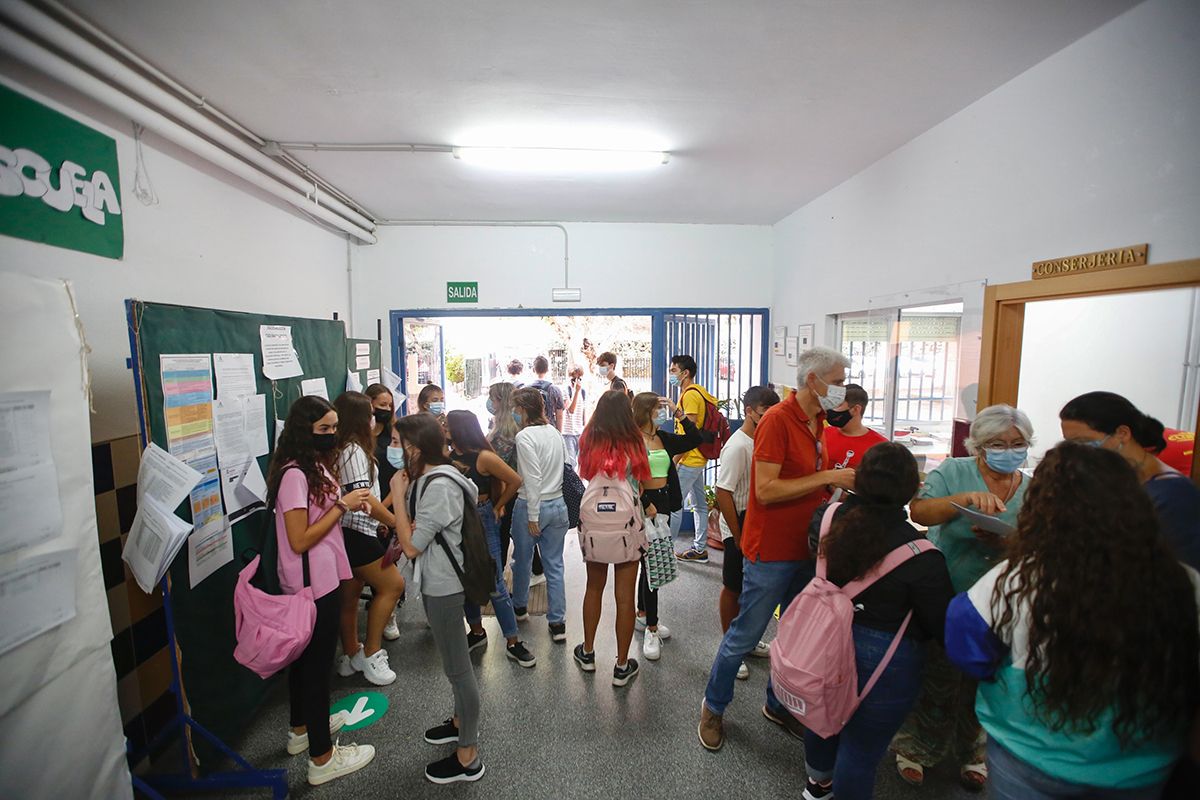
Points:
x=787 y=482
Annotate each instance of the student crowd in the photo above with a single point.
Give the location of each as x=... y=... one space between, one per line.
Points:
x=1060 y=660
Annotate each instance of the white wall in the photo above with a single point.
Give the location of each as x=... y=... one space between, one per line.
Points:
x=1098 y=146
x=616 y=265
x=211 y=241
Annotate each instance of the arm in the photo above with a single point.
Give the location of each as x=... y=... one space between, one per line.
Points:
x=574 y=399
x=531 y=475
x=679 y=443
x=292 y=498
x=494 y=466
x=934 y=505
x=558 y=419
x=931 y=595
x=404 y=525
x=769 y=488
x=729 y=514
x=379 y=511
x=970 y=643
x=691 y=410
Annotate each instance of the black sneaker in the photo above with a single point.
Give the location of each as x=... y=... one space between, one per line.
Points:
x=623 y=675
x=558 y=631
x=586 y=661
x=785 y=720
x=518 y=653
x=522 y=613
x=451 y=770
x=476 y=640
x=815 y=791
x=445 y=733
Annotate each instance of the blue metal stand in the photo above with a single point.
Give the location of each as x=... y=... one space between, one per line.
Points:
x=246 y=776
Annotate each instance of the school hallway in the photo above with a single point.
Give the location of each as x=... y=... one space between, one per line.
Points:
x=555 y=731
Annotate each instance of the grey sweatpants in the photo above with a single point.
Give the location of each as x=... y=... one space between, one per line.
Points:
x=445 y=616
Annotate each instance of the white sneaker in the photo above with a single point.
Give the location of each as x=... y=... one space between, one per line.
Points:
x=391 y=631
x=651 y=646
x=376 y=668
x=664 y=633
x=743 y=672
x=298 y=742
x=346 y=758
x=536 y=579
x=761 y=650
x=348 y=665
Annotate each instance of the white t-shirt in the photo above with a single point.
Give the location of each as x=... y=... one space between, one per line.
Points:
x=354 y=472
x=733 y=474
x=573 y=424
x=540 y=458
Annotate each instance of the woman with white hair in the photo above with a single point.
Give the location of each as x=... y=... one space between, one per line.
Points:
x=943 y=723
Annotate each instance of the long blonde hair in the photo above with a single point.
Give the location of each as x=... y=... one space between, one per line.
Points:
x=503 y=425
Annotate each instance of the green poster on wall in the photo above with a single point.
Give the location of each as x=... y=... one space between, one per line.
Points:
x=59 y=182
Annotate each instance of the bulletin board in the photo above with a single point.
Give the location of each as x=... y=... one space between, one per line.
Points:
x=374 y=356
x=222 y=694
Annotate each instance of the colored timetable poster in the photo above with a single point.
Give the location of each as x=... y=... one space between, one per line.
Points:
x=187 y=406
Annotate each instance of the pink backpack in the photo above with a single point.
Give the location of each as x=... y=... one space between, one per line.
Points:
x=611 y=530
x=813 y=669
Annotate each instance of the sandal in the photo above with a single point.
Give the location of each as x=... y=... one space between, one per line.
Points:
x=910 y=771
x=973 y=777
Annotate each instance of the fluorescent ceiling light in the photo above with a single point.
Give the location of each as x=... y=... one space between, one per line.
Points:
x=558 y=159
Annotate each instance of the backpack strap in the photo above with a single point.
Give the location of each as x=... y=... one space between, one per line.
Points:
x=437 y=537
x=826 y=524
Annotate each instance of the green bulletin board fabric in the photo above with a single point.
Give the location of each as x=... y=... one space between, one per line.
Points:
x=352 y=355
x=224 y=695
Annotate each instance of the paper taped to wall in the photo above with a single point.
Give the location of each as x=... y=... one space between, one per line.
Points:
x=315 y=387
x=278 y=352
x=24 y=428
x=37 y=594
x=235 y=374
x=29 y=506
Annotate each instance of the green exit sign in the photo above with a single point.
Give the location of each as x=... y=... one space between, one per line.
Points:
x=462 y=291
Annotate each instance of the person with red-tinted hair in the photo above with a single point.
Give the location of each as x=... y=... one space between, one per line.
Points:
x=612 y=445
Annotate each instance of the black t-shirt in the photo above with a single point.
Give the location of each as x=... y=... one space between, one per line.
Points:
x=383 y=468
x=921 y=584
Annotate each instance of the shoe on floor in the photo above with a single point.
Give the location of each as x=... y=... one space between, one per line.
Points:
x=534 y=580
x=298 y=742
x=376 y=668
x=651 y=646
x=348 y=665
x=743 y=672
x=711 y=729
x=476 y=640
x=391 y=631
x=623 y=675
x=558 y=631
x=815 y=791
x=520 y=654
x=692 y=554
x=445 y=733
x=586 y=661
x=346 y=758
x=522 y=613
x=664 y=633
x=451 y=770
x=761 y=650
x=785 y=720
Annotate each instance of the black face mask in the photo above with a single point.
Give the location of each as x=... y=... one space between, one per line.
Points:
x=838 y=419
x=324 y=442
x=383 y=416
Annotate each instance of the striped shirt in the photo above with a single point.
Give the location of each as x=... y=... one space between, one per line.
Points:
x=354 y=472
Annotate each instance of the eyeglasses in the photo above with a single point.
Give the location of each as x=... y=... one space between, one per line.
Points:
x=1006 y=446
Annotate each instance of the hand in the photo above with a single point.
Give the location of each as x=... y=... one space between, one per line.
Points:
x=986 y=502
x=500 y=511
x=357 y=499
x=534 y=530
x=841 y=478
x=666 y=403
x=399 y=485
x=651 y=511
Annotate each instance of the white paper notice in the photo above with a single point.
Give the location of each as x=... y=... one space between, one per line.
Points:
x=362 y=362
x=37 y=594
x=155 y=538
x=352 y=382
x=392 y=381
x=235 y=374
x=315 y=387
x=278 y=352
x=256 y=424
x=209 y=549
x=362 y=348
x=243 y=486
x=29 y=506
x=164 y=477
x=24 y=428
x=229 y=420
x=372 y=376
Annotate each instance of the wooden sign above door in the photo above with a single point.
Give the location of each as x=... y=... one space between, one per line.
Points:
x=1131 y=256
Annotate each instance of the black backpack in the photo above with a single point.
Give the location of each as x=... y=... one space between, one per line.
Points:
x=478 y=571
x=544 y=387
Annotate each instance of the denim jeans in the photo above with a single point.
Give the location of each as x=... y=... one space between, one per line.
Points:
x=501 y=602
x=571 y=443
x=691 y=485
x=851 y=757
x=1010 y=778
x=765 y=585
x=552 y=522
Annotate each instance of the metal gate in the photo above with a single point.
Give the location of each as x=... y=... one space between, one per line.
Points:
x=728 y=348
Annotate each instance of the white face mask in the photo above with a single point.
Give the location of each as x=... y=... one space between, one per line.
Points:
x=602 y=371
x=834 y=396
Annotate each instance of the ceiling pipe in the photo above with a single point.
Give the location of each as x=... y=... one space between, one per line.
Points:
x=80 y=49
x=58 y=68
x=367 y=147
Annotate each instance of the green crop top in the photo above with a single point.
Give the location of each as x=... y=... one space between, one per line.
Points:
x=660 y=463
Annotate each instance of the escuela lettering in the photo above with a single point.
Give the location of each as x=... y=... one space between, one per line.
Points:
x=25 y=173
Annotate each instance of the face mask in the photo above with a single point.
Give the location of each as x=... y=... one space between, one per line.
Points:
x=395 y=456
x=838 y=419
x=324 y=442
x=1098 y=442
x=1006 y=461
x=437 y=409
x=602 y=372
x=491 y=408
x=673 y=379
x=516 y=418
x=834 y=397
x=662 y=417
x=383 y=416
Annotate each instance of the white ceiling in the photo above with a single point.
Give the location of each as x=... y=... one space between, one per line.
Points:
x=764 y=105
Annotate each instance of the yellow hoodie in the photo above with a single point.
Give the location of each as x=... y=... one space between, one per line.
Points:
x=693 y=404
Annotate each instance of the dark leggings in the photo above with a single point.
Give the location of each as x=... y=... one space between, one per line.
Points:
x=647 y=598
x=308 y=676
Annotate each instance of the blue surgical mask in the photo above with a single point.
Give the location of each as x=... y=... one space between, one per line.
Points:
x=662 y=417
x=437 y=409
x=1097 y=442
x=395 y=456
x=673 y=379
x=1006 y=461
x=516 y=417
x=491 y=408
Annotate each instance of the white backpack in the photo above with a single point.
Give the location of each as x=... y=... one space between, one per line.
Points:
x=611 y=530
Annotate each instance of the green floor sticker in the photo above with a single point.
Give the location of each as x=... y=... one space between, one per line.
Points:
x=361 y=709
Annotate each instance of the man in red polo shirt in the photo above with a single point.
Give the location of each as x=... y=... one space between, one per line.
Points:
x=788 y=481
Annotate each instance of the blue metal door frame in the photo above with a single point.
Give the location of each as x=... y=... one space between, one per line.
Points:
x=658 y=330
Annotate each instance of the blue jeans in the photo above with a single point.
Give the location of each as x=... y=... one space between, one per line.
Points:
x=571 y=443
x=501 y=603
x=1010 y=778
x=850 y=758
x=552 y=522
x=691 y=484
x=765 y=585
